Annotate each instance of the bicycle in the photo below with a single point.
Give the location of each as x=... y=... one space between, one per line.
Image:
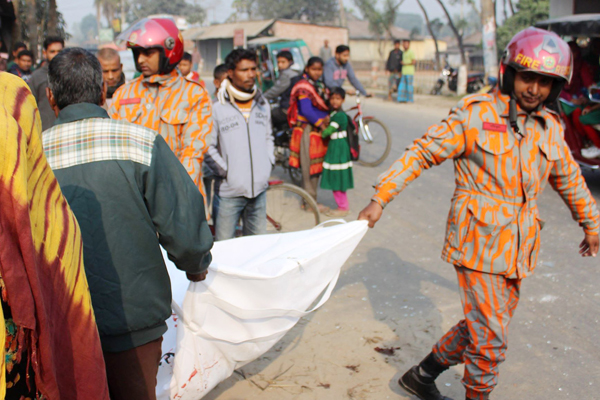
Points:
x=290 y=208
x=282 y=137
x=374 y=137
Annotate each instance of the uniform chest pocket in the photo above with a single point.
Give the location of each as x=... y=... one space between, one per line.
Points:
x=496 y=143
x=175 y=116
x=552 y=150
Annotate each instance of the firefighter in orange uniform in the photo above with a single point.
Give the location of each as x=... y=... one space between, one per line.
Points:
x=506 y=146
x=161 y=99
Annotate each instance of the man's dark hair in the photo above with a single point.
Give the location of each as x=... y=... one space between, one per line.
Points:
x=397 y=41
x=286 y=54
x=237 y=55
x=186 y=56
x=19 y=45
x=75 y=76
x=339 y=91
x=341 y=48
x=53 y=39
x=28 y=53
x=219 y=71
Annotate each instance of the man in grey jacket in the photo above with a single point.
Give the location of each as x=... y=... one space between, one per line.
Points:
x=338 y=68
x=39 y=80
x=241 y=155
x=285 y=60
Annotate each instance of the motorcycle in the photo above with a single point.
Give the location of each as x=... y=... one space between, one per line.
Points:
x=475 y=81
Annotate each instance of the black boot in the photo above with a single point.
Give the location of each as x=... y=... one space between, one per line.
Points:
x=423 y=388
x=423 y=385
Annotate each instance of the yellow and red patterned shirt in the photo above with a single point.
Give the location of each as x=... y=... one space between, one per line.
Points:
x=494 y=224
x=177 y=108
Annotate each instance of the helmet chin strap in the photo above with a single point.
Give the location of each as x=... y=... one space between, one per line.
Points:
x=512 y=113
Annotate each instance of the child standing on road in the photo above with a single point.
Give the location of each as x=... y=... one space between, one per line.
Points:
x=337 y=166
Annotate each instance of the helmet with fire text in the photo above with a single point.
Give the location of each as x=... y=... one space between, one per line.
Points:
x=156 y=33
x=539 y=51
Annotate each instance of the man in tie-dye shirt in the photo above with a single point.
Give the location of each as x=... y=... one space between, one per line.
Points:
x=506 y=146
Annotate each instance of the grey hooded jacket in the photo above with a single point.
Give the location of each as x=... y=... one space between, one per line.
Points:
x=242 y=153
x=281 y=85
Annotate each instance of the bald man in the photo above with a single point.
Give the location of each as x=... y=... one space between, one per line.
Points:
x=112 y=72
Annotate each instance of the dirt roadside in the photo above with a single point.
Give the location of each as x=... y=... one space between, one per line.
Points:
x=353 y=347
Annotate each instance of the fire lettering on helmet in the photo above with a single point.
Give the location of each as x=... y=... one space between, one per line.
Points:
x=535 y=64
x=519 y=57
x=562 y=70
x=524 y=60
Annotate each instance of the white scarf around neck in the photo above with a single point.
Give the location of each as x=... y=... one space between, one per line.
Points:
x=234 y=94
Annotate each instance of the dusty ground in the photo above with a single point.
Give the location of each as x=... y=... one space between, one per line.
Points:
x=396 y=294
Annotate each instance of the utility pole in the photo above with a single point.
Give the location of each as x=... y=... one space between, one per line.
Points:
x=52 y=18
x=17 y=29
x=122 y=15
x=32 y=27
x=343 y=20
x=490 y=52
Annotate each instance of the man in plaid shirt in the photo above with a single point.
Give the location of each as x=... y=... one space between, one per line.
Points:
x=130 y=195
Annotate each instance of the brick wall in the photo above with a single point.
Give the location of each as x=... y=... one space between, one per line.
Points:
x=313 y=35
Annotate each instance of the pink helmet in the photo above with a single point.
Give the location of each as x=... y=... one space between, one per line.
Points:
x=159 y=33
x=539 y=51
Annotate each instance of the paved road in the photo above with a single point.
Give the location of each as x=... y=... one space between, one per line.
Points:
x=395 y=292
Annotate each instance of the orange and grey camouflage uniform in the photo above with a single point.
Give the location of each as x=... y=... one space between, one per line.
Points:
x=177 y=108
x=493 y=229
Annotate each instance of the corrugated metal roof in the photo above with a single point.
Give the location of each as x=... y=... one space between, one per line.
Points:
x=225 y=31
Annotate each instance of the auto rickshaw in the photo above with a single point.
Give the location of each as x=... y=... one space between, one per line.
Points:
x=581 y=27
x=267 y=49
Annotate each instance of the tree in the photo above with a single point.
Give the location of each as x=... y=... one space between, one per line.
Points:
x=52 y=18
x=512 y=7
x=437 y=26
x=380 y=22
x=88 y=27
x=35 y=21
x=244 y=9
x=457 y=34
x=142 y=8
x=528 y=12
x=409 y=21
x=31 y=24
x=311 y=10
x=432 y=32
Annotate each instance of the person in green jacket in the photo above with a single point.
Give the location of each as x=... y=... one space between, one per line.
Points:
x=131 y=196
x=337 y=167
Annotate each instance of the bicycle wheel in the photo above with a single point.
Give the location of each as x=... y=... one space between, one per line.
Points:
x=295 y=175
x=374 y=152
x=290 y=208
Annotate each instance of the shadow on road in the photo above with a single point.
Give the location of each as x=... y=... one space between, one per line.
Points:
x=400 y=294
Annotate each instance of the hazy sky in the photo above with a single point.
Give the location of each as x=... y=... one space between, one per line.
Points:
x=219 y=10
